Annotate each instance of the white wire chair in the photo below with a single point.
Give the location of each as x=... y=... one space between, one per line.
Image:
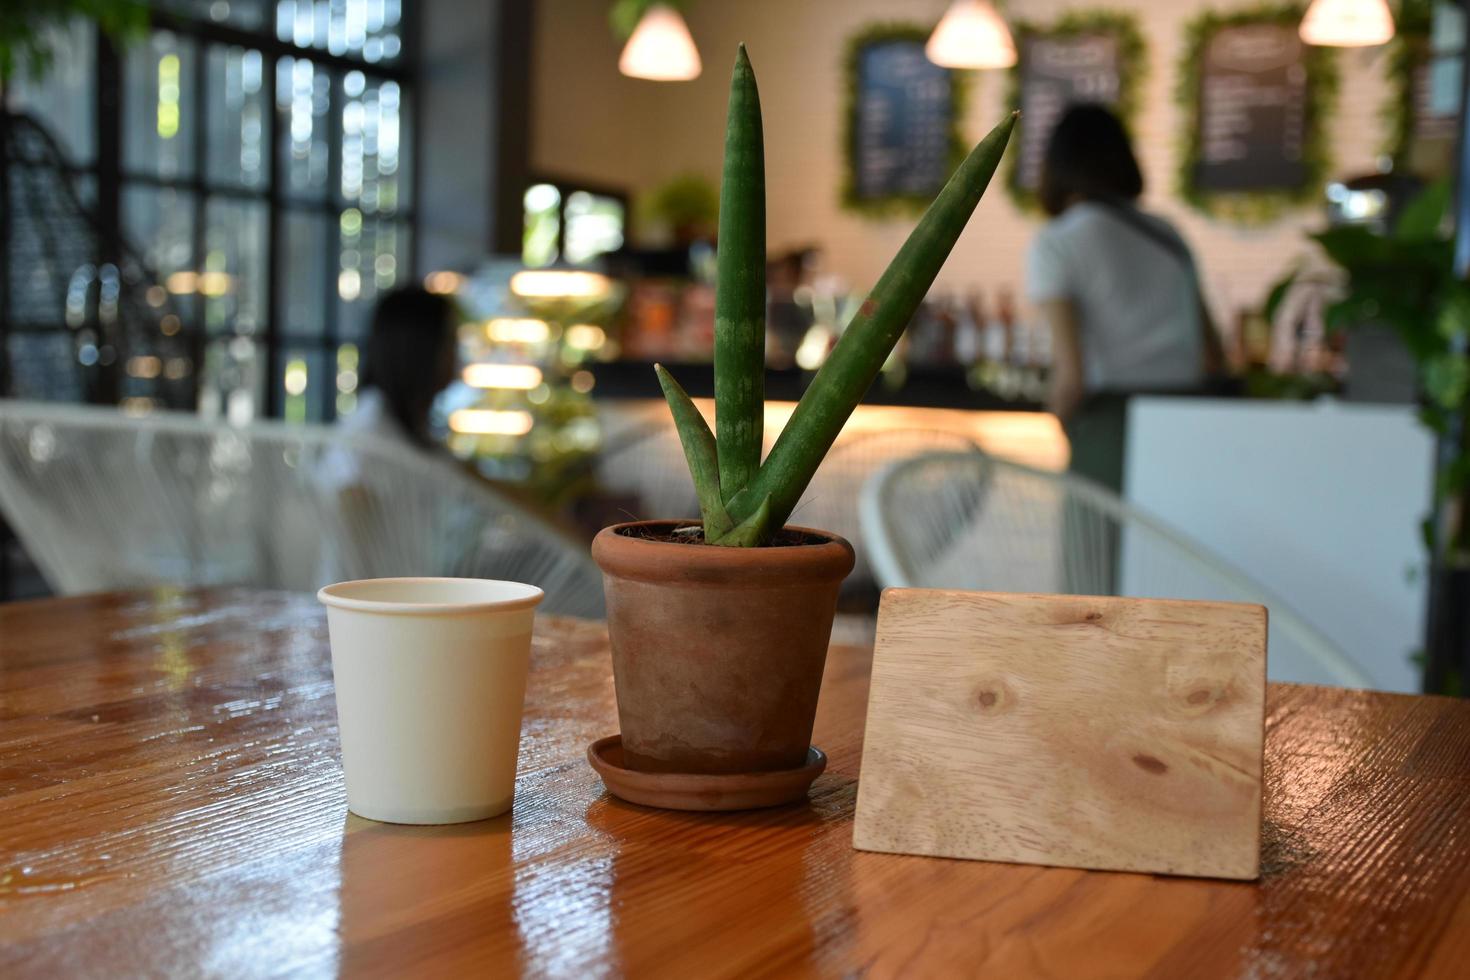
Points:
x=971 y=521
x=649 y=468
x=831 y=500
x=102 y=500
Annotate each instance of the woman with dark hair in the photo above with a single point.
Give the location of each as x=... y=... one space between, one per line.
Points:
x=1117 y=289
x=408 y=359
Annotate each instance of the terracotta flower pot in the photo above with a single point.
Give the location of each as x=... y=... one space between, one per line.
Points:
x=717 y=652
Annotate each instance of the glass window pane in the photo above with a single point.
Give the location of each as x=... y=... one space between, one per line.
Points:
x=373 y=259
x=158 y=106
x=86 y=187
x=594 y=226
x=305 y=384
x=367 y=29
x=233 y=384
x=303 y=96
x=374 y=119
x=65 y=100
x=159 y=223
x=306 y=272
x=542 y=225
x=51 y=254
x=236 y=117
x=233 y=280
x=349 y=363
x=43 y=366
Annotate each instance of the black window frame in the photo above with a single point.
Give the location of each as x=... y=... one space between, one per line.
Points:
x=274 y=342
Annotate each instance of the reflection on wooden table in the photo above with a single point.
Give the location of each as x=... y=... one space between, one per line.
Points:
x=172 y=803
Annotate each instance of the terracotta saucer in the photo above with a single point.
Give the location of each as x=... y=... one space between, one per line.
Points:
x=692 y=791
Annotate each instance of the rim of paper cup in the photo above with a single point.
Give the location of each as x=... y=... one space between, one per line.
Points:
x=331 y=595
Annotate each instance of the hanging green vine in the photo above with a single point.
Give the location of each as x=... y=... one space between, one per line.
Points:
x=27 y=32
x=623 y=16
x=1132 y=59
x=1254 y=207
x=893 y=205
x=1408 y=51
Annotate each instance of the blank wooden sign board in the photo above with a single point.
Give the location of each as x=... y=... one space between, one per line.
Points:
x=1117 y=734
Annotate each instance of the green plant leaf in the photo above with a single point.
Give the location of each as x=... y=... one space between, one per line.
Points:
x=624 y=15
x=26 y=35
x=1353 y=246
x=699 y=453
x=1447 y=379
x=855 y=361
x=1433 y=419
x=750 y=532
x=685 y=201
x=1454 y=317
x=1278 y=293
x=1422 y=216
x=740 y=287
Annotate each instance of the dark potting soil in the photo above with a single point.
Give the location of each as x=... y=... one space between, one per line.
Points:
x=694 y=534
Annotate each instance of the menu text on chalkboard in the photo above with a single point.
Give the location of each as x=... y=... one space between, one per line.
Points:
x=1057 y=72
x=903 y=122
x=1252 y=110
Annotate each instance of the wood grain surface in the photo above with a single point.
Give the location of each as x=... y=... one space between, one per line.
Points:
x=171 y=805
x=1075 y=731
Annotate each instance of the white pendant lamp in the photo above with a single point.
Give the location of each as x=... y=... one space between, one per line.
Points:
x=971 y=35
x=660 y=49
x=1347 y=23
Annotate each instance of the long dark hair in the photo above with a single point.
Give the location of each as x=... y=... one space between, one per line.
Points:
x=409 y=355
x=1088 y=156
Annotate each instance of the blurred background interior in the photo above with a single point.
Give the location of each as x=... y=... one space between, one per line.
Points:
x=203 y=202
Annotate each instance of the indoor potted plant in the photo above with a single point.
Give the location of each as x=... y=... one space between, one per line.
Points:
x=719 y=628
x=1404 y=278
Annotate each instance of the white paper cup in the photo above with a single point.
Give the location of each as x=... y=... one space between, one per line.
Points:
x=431 y=682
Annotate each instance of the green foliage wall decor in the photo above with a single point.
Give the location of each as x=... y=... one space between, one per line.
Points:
x=1407 y=52
x=1254 y=207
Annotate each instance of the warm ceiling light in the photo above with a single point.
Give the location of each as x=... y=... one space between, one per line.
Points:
x=519 y=377
x=1347 y=23
x=509 y=330
x=215 y=283
x=489 y=422
x=443 y=282
x=586 y=336
x=660 y=49
x=208 y=283
x=971 y=35
x=181 y=283
x=145 y=366
x=559 y=284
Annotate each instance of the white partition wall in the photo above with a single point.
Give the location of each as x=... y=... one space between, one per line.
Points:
x=1321 y=503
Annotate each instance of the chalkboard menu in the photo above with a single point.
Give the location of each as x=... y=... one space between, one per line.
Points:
x=903 y=122
x=1252 y=110
x=1056 y=72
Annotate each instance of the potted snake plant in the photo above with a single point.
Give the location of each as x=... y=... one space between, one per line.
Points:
x=719 y=627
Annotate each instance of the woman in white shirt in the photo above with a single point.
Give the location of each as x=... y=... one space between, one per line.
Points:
x=1117 y=289
x=409 y=357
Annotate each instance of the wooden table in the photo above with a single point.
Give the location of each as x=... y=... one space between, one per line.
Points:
x=171 y=804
